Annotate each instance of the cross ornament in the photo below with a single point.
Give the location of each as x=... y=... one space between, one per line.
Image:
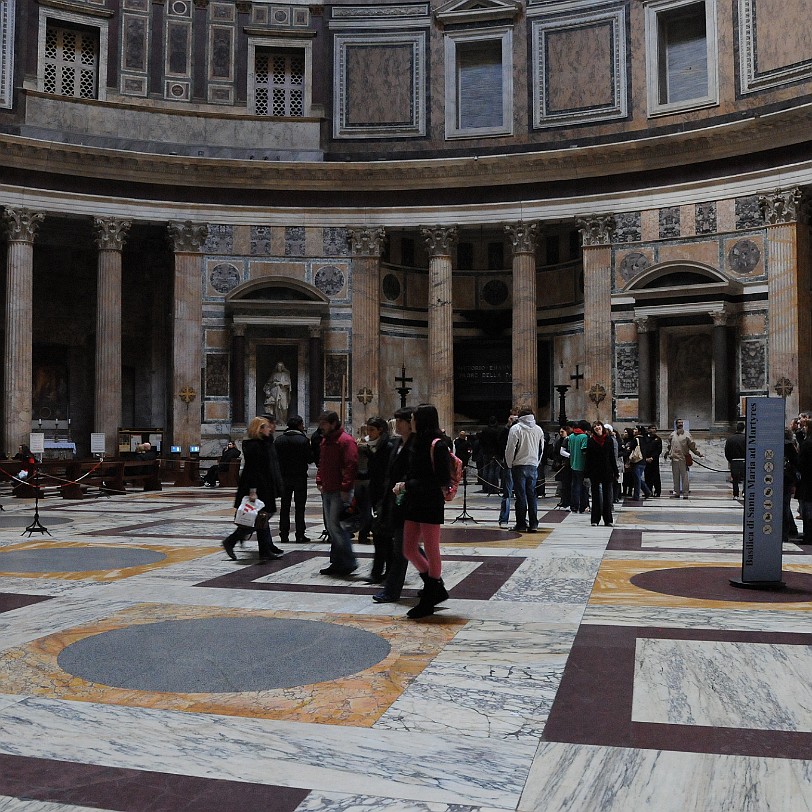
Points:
x=597 y=393
x=365 y=395
x=578 y=376
x=187 y=394
x=783 y=387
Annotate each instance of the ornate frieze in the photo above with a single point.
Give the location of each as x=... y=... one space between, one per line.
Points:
x=22 y=224
x=753 y=365
x=597 y=229
x=439 y=239
x=626 y=369
x=379 y=12
x=368 y=242
x=187 y=237
x=669 y=221
x=220 y=240
x=261 y=241
x=335 y=242
x=523 y=236
x=111 y=233
x=783 y=206
x=705 y=218
x=628 y=227
x=748 y=213
x=294 y=241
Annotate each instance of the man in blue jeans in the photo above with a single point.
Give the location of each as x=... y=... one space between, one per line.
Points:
x=525 y=446
x=338 y=467
x=506 y=472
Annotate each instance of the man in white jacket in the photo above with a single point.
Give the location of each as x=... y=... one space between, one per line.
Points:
x=525 y=446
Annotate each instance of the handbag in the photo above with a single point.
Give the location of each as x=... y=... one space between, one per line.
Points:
x=636 y=455
x=689 y=460
x=247 y=512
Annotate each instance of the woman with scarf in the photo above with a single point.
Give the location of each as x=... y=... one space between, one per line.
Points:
x=601 y=470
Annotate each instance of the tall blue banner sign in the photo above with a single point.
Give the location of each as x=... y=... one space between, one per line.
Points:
x=763 y=491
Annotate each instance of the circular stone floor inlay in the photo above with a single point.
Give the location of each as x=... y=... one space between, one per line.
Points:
x=24 y=519
x=76 y=559
x=713 y=584
x=476 y=535
x=227 y=654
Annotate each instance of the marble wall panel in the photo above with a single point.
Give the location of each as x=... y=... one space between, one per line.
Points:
x=261 y=241
x=687 y=219
x=625 y=333
x=134 y=42
x=629 y=264
x=626 y=369
x=748 y=213
x=220 y=239
x=241 y=236
x=216 y=375
x=294 y=241
x=753 y=324
x=218 y=339
x=377 y=92
x=705 y=218
x=626 y=409
x=294 y=270
x=669 y=223
x=221 y=53
x=215 y=410
x=781 y=33
x=704 y=251
x=744 y=257
x=628 y=227
x=572 y=81
x=332 y=279
x=334 y=242
x=222 y=276
x=650 y=225
x=753 y=365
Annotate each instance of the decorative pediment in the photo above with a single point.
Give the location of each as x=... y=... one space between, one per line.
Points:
x=468 y=11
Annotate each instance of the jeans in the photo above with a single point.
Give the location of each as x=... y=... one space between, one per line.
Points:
x=524 y=480
x=638 y=468
x=295 y=489
x=602 y=497
x=507 y=493
x=578 y=497
x=341 y=554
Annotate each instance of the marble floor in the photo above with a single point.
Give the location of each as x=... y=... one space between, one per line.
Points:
x=577 y=668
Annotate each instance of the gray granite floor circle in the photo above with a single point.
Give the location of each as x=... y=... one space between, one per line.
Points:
x=24 y=519
x=76 y=559
x=223 y=655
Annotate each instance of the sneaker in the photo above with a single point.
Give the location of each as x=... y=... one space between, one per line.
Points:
x=384 y=597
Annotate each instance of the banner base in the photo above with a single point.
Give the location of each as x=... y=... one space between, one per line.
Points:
x=775 y=586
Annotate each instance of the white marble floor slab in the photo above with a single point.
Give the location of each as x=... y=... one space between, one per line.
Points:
x=760 y=686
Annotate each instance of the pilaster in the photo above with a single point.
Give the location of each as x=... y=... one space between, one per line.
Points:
x=187 y=240
x=366 y=245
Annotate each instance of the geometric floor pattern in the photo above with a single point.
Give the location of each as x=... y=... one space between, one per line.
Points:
x=577 y=668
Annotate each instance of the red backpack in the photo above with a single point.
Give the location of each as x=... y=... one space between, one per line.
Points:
x=450 y=490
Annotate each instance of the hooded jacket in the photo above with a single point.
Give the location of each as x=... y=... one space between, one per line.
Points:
x=525 y=442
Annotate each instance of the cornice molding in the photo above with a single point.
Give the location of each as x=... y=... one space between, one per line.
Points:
x=77 y=8
x=641 y=155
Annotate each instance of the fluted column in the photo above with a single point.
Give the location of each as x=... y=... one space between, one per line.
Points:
x=366 y=245
x=238 y=374
x=645 y=326
x=439 y=241
x=187 y=241
x=784 y=213
x=597 y=236
x=110 y=236
x=721 y=375
x=21 y=225
x=316 y=374
x=524 y=237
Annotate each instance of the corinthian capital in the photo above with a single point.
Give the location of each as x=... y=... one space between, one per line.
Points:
x=597 y=229
x=523 y=236
x=366 y=242
x=22 y=224
x=187 y=237
x=110 y=233
x=783 y=206
x=439 y=239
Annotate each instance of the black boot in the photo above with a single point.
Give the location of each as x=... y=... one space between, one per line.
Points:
x=433 y=593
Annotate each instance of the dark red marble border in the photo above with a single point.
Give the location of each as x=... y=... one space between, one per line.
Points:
x=127 y=790
x=594 y=701
x=11 y=600
x=553 y=516
x=482 y=584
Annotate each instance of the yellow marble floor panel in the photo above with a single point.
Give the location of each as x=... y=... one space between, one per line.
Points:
x=527 y=541
x=174 y=555
x=613 y=586
x=357 y=700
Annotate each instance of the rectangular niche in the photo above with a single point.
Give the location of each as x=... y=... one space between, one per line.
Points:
x=568 y=90
x=380 y=85
x=774 y=43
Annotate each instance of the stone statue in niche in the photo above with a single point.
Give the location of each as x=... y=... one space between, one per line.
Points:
x=277 y=394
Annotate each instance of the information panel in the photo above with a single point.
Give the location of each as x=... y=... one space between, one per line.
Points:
x=763 y=492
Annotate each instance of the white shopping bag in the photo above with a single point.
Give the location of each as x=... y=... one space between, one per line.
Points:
x=246 y=515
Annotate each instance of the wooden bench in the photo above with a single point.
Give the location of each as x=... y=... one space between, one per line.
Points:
x=181 y=472
x=109 y=476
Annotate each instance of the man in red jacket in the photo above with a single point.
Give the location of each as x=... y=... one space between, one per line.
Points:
x=338 y=467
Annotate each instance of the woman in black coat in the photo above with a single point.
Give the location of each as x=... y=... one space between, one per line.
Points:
x=259 y=475
x=601 y=470
x=424 y=506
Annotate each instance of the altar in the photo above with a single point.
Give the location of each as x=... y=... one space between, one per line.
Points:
x=59 y=450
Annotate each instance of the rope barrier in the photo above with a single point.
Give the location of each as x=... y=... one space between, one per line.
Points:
x=39 y=474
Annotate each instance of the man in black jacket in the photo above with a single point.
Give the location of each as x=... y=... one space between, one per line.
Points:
x=734 y=454
x=294 y=454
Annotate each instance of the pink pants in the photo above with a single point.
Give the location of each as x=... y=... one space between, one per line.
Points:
x=413 y=532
